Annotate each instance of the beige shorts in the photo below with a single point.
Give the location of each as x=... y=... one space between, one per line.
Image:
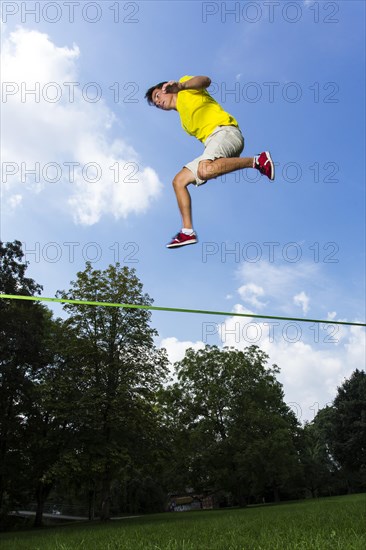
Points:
x=224 y=142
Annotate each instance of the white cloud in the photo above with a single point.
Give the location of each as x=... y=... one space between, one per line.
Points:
x=356 y=347
x=286 y=285
x=250 y=293
x=277 y=280
x=14 y=201
x=62 y=135
x=302 y=300
x=176 y=349
x=313 y=359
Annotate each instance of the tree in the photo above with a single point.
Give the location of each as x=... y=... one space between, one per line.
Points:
x=23 y=358
x=318 y=468
x=117 y=371
x=240 y=435
x=49 y=434
x=345 y=430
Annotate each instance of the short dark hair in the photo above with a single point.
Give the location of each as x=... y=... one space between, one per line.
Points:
x=149 y=92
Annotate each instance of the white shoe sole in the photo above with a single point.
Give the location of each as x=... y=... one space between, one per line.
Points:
x=272 y=165
x=178 y=245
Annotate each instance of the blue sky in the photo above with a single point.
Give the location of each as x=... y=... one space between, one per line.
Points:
x=292 y=73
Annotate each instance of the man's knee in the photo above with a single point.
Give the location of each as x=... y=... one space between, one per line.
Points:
x=182 y=179
x=178 y=181
x=204 y=169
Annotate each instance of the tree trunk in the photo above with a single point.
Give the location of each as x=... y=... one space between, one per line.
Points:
x=105 y=512
x=6 y=424
x=92 y=504
x=276 y=494
x=349 y=486
x=42 y=492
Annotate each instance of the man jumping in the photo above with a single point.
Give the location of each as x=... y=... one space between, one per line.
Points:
x=202 y=117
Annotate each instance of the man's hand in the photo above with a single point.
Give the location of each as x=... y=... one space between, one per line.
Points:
x=172 y=87
x=194 y=83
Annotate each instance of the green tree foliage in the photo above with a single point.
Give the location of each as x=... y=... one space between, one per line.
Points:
x=24 y=355
x=116 y=371
x=12 y=271
x=344 y=428
x=318 y=468
x=237 y=433
x=349 y=443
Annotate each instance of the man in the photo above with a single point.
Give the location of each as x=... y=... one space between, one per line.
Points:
x=202 y=117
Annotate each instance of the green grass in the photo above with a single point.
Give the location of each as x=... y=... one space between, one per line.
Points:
x=336 y=523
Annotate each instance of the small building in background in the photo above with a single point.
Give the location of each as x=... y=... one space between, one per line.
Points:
x=185 y=503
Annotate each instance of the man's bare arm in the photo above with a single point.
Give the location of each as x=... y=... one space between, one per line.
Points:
x=194 y=83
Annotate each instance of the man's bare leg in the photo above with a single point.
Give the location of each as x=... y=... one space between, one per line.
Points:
x=180 y=183
x=209 y=169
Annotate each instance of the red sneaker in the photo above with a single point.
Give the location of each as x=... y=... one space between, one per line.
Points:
x=264 y=164
x=181 y=239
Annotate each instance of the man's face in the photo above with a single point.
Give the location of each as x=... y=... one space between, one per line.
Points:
x=163 y=100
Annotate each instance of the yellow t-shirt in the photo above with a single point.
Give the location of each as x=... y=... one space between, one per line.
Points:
x=200 y=113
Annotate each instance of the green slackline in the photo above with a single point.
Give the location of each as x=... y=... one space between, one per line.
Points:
x=175 y=309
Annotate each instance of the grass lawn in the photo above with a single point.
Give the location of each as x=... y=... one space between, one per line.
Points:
x=327 y=523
